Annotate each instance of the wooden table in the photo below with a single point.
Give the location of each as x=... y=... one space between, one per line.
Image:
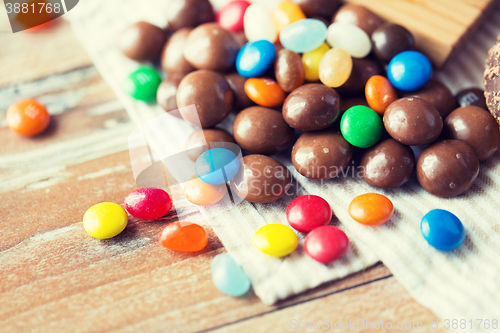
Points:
x=55 y=278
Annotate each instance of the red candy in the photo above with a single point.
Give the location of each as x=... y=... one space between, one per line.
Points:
x=326 y=244
x=184 y=237
x=148 y=203
x=230 y=17
x=308 y=212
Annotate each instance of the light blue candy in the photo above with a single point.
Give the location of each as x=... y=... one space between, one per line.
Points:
x=228 y=277
x=442 y=230
x=255 y=58
x=217 y=166
x=304 y=35
x=409 y=71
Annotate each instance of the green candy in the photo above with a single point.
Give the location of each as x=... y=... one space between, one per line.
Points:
x=142 y=84
x=361 y=126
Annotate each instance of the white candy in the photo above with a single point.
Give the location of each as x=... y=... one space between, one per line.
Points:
x=258 y=24
x=350 y=38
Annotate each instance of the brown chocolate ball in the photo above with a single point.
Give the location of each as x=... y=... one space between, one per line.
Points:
x=324 y=8
x=166 y=95
x=211 y=95
x=390 y=39
x=237 y=84
x=471 y=96
x=476 y=127
x=447 y=168
x=262 y=131
x=142 y=41
x=388 y=164
x=311 y=107
x=289 y=70
x=438 y=95
x=413 y=121
x=189 y=13
x=346 y=104
x=362 y=70
x=172 y=58
x=210 y=46
x=359 y=16
x=261 y=180
x=202 y=140
x=321 y=155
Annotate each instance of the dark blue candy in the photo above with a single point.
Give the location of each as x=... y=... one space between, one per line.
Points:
x=442 y=229
x=255 y=58
x=409 y=71
x=217 y=166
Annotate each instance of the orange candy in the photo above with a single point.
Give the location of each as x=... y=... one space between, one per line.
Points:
x=203 y=194
x=371 y=209
x=285 y=14
x=379 y=93
x=184 y=237
x=28 y=117
x=264 y=92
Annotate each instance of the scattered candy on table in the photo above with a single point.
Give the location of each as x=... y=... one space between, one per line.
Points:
x=371 y=209
x=217 y=166
x=148 y=203
x=228 y=277
x=442 y=230
x=326 y=244
x=276 y=240
x=307 y=212
x=105 y=220
x=184 y=237
x=28 y=117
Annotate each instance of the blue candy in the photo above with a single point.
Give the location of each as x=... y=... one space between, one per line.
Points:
x=255 y=58
x=442 y=230
x=304 y=35
x=409 y=71
x=217 y=166
x=228 y=277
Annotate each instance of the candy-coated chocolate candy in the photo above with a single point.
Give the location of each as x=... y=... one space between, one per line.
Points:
x=203 y=194
x=438 y=95
x=371 y=209
x=172 y=59
x=255 y=58
x=204 y=139
x=390 y=39
x=237 y=84
x=288 y=70
x=217 y=166
x=379 y=93
x=359 y=16
x=346 y=104
x=264 y=92
x=304 y=35
x=326 y=244
x=307 y=212
x=105 y=220
x=442 y=230
x=324 y=8
x=27 y=117
x=184 y=237
x=148 y=203
x=275 y=239
x=350 y=38
x=230 y=17
x=258 y=24
x=311 y=62
x=361 y=126
x=409 y=71
x=188 y=13
x=285 y=14
x=142 y=41
x=143 y=83
x=228 y=277
x=471 y=96
x=335 y=68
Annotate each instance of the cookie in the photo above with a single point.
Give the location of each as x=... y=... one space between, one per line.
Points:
x=492 y=81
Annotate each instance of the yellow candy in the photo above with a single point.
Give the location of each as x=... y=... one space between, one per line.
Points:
x=311 y=62
x=335 y=68
x=105 y=220
x=285 y=14
x=276 y=240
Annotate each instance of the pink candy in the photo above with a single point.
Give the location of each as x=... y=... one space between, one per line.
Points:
x=326 y=244
x=148 y=203
x=230 y=17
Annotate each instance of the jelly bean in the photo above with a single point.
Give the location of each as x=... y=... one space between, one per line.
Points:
x=276 y=240
x=258 y=24
x=288 y=70
x=230 y=17
x=148 y=203
x=142 y=84
x=255 y=58
x=228 y=277
x=27 y=117
x=285 y=14
x=304 y=35
x=217 y=166
x=371 y=209
x=326 y=244
x=361 y=126
x=265 y=92
x=307 y=212
x=409 y=71
x=184 y=237
x=311 y=62
x=105 y=220
x=379 y=93
x=350 y=38
x=335 y=68
x=203 y=194
x=442 y=230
